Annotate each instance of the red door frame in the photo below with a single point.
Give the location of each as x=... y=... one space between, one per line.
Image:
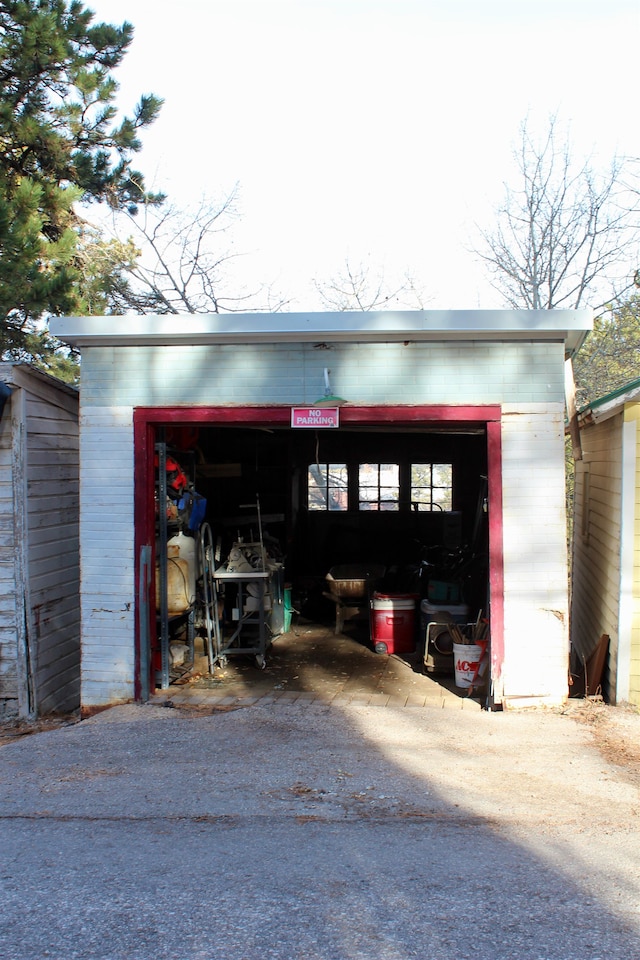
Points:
x=145 y=420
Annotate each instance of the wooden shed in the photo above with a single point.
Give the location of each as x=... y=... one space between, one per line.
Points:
x=39 y=548
x=443 y=427
x=605 y=607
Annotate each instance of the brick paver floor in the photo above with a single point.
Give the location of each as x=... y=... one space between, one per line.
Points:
x=311 y=663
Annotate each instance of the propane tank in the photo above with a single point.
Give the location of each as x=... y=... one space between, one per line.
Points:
x=181 y=574
x=187 y=552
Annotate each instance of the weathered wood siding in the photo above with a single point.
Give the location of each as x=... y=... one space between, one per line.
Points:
x=52 y=475
x=596 y=544
x=526 y=378
x=8 y=648
x=39 y=512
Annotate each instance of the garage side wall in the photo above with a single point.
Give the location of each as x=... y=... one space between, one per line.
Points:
x=596 y=543
x=631 y=689
x=526 y=377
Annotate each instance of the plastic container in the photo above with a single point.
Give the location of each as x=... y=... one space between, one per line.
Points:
x=442 y=612
x=288 y=608
x=393 y=623
x=469 y=663
x=442 y=591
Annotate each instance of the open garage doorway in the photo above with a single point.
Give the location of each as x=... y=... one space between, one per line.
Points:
x=397 y=505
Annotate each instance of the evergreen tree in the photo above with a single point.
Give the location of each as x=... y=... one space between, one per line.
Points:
x=60 y=144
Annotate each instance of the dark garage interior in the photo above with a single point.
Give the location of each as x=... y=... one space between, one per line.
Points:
x=402 y=507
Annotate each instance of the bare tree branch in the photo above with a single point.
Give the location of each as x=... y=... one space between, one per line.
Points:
x=565 y=233
x=363 y=288
x=185 y=262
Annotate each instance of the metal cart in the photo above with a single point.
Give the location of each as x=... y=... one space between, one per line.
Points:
x=247 y=594
x=250 y=633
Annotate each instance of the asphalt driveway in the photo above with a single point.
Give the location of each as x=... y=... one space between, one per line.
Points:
x=326 y=829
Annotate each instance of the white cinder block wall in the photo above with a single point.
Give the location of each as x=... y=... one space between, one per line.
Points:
x=535 y=553
x=106 y=555
x=527 y=378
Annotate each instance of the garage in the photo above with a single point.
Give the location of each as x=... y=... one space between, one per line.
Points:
x=425 y=446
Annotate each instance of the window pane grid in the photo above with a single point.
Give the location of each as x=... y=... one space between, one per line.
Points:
x=378 y=486
x=328 y=486
x=432 y=486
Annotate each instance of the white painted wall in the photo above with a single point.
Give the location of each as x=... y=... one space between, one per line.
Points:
x=106 y=554
x=536 y=614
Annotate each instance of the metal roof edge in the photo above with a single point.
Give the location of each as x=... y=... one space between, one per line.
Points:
x=570 y=326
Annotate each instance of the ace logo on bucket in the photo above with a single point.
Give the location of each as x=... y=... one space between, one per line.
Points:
x=468 y=660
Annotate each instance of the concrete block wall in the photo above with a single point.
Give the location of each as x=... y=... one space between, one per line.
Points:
x=107 y=554
x=527 y=378
x=369 y=373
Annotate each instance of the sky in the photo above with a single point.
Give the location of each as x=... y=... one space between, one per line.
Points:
x=374 y=132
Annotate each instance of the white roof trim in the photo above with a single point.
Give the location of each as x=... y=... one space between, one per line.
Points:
x=568 y=326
